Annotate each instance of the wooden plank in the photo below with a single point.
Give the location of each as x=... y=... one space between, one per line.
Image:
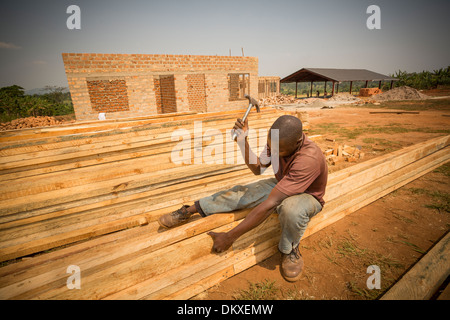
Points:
x=185 y=281
x=101 y=152
x=425 y=277
x=115 y=141
x=106 y=125
x=6 y=138
x=445 y=294
x=17 y=242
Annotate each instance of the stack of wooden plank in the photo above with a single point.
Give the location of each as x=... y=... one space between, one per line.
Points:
x=91 y=182
x=68 y=183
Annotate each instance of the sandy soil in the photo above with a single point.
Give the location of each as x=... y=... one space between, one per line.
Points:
x=393 y=232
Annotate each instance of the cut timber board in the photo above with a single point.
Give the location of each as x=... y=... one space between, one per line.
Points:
x=425 y=277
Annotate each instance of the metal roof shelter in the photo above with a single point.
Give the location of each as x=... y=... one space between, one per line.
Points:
x=335 y=76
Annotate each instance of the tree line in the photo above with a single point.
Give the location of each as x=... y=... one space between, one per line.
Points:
x=14 y=103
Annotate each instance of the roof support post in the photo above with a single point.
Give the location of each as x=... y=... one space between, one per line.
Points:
x=310 y=94
x=379 y=84
x=325 y=90
x=296 y=83
x=392 y=83
x=332 y=90
x=337 y=88
x=366 y=83
x=351 y=84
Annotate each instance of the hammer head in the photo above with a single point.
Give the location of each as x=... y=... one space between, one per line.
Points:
x=253 y=102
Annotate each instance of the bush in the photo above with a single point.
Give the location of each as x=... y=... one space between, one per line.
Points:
x=424 y=79
x=15 y=104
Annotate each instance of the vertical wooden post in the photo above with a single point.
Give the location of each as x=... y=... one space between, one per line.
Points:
x=310 y=94
x=379 y=84
x=325 y=90
x=337 y=88
x=366 y=84
x=296 y=83
x=392 y=84
x=332 y=90
x=351 y=84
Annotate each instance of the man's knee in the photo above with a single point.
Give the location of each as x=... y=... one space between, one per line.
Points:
x=299 y=208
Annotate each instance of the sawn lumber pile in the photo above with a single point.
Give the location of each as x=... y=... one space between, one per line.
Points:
x=91 y=193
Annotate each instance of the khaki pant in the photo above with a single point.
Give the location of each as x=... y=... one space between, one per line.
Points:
x=294 y=212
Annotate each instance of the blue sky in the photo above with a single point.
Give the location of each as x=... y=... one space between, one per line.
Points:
x=285 y=35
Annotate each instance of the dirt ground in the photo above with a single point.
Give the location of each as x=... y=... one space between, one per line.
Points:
x=393 y=232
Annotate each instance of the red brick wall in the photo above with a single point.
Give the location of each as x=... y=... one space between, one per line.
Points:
x=143 y=74
x=196 y=92
x=157 y=89
x=108 y=95
x=168 y=97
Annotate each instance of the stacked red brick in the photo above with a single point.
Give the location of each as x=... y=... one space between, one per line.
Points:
x=196 y=92
x=116 y=98
x=151 y=84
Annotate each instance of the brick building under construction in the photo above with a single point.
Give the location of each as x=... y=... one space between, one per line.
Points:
x=130 y=85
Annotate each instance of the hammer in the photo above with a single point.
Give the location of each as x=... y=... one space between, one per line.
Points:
x=251 y=102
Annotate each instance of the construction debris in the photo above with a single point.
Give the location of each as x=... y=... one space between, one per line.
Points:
x=342 y=153
x=368 y=92
x=400 y=93
x=278 y=99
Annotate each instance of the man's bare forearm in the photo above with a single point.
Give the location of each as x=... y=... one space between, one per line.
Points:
x=258 y=215
x=254 y=167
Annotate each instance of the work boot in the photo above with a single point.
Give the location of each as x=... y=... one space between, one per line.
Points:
x=176 y=218
x=292 y=265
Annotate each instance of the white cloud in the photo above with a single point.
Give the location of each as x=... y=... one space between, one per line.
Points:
x=8 y=45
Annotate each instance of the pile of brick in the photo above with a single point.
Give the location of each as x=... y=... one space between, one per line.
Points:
x=368 y=92
x=278 y=99
x=343 y=153
x=30 y=122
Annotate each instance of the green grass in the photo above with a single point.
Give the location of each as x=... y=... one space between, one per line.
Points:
x=265 y=290
x=441 y=200
x=414 y=247
x=445 y=170
x=362 y=292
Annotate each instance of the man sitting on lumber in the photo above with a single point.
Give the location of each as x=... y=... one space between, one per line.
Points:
x=296 y=193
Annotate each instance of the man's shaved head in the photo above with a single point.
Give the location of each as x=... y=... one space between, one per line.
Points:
x=290 y=128
x=290 y=131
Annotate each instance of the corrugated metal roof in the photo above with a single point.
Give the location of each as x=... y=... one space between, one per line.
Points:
x=326 y=74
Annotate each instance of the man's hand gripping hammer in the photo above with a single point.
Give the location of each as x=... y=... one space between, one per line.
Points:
x=251 y=102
